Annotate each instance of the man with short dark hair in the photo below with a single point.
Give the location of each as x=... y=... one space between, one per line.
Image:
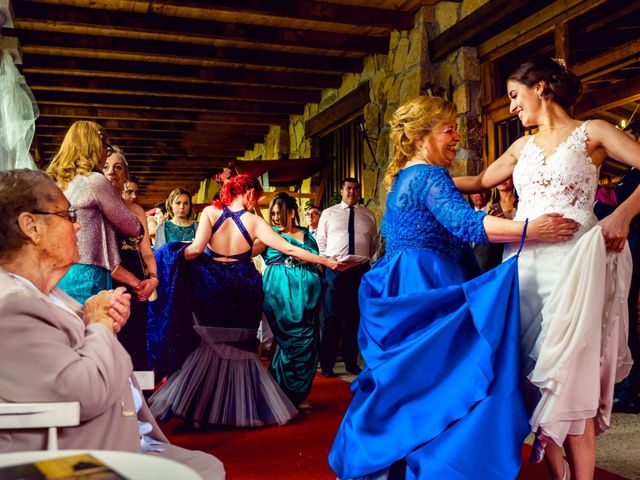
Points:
x=347 y=230
x=131 y=188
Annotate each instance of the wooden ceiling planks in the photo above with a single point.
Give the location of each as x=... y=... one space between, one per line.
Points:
x=187 y=86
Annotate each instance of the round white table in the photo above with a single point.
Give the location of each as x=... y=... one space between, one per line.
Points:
x=135 y=466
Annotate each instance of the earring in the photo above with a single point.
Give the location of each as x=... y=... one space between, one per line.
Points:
x=36 y=242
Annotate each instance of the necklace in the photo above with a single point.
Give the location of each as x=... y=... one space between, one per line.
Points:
x=541 y=130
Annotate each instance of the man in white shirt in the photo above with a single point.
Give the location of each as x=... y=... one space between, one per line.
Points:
x=344 y=230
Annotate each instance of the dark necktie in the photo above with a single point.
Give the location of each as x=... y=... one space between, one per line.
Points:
x=352 y=233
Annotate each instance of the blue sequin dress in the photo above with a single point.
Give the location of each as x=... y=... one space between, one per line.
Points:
x=202 y=330
x=441 y=396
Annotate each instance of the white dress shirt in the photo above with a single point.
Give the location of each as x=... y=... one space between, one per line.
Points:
x=333 y=231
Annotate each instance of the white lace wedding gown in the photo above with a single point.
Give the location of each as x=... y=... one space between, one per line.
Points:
x=577 y=365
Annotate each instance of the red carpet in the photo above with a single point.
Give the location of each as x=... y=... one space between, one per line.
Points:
x=298 y=451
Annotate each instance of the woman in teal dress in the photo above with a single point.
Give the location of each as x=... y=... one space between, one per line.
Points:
x=180 y=227
x=292 y=294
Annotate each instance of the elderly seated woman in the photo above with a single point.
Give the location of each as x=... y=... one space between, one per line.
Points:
x=53 y=349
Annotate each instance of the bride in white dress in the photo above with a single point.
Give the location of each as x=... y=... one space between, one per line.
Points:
x=572 y=294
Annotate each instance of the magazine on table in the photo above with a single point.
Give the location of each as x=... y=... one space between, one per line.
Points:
x=74 y=467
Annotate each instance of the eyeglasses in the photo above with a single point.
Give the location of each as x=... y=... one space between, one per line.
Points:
x=70 y=214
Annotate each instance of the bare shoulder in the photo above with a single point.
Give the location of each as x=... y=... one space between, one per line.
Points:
x=512 y=154
x=597 y=128
x=211 y=212
x=137 y=210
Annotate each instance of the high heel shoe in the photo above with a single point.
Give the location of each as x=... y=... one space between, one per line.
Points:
x=567 y=472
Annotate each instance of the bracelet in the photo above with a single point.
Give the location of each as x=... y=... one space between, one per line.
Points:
x=152 y=275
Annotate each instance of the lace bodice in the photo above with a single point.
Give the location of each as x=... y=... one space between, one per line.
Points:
x=564 y=182
x=425 y=210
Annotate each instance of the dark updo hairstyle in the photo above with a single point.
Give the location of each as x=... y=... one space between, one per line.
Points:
x=238 y=185
x=284 y=203
x=22 y=191
x=560 y=85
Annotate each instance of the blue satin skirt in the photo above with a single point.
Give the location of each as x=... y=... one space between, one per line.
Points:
x=441 y=396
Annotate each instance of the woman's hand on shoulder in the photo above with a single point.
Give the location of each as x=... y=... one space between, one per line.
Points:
x=552 y=227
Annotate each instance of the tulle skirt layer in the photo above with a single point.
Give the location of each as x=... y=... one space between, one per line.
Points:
x=223 y=383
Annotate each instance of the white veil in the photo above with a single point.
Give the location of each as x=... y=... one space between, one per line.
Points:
x=18 y=113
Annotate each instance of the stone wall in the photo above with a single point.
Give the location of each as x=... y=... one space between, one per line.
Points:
x=395 y=78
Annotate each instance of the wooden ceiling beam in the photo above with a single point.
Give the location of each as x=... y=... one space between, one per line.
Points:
x=40 y=63
x=153 y=23
x=166 y=103
x=150 y=150
x=69 y=113
x=483 y=23
x=130 y=86
x=308 y=10
x=132 y=146
x=134 y=127
x=609 y=97
x=170 y=51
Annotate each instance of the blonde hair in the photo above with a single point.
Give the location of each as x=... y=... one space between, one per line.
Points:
x=175 y=193
x=413 y=120
x=80 y=153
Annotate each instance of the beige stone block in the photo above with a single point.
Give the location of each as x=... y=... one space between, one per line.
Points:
x=349 y=82
x=399 y=61
x=393 y=95
x=369 y=68
x=372 y=118
x=446 y=15
x=376 y=87
x=388 y=84
x=368 y=183
x=283 y=141
x=418 y=49
x=388 y=113
x=469 y=64
x=412 y=84
x=462 y=98
x=394 y=39
x=425 y=14
x=469 y=6
x=305 y=149
x=328 y=97
x=383 y=152
x=445 y=72
x=299 y=135
x=458 y=167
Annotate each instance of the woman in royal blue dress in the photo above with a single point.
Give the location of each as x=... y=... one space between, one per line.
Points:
x=292 y=293
x=440 y=397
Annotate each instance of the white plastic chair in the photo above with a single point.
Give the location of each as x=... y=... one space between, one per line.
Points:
x=145 y=379
x=40 y=415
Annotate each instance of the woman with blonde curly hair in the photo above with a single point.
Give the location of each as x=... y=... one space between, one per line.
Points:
x=439 y=397
x=77 y=169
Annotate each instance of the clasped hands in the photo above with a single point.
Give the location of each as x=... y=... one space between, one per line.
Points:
x=111 y=308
